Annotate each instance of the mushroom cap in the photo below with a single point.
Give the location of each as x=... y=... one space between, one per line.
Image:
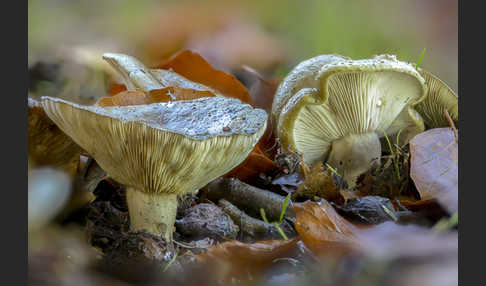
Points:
x=302 y=76
x=137 y=76
x=345 y=97
x=47 y=144
x=170 y=147
x=439 y=96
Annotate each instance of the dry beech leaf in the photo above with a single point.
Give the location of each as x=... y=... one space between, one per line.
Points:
x=255 y=164
x=195 y=68
x=177 y=93
x=319 y=182
x=262 y=92
x=241 y=260
x=127 y=97
x=322 y=229
x=115 y=88
x=434 y=166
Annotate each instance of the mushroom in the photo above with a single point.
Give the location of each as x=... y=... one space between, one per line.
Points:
x=162 y=150
x=439 y=96
x=334 y=109
x=47 y=144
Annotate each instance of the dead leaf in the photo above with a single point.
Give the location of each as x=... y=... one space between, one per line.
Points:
x=320 y=183
x=127 y=97
x=241 y=260
x=322 y=229
x=434 y=166
x=262 y=92
x=115 y=88
x=254 y=165
x=177 y=93
x=195 y=68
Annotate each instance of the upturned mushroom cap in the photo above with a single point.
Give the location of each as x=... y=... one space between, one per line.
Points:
x=172 y=147
x=439 y=96
x=47 y=144
x=137 y=76
x=346 y=97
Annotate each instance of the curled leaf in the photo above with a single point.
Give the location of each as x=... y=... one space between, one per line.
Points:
x=195 y=68
x=434 y=166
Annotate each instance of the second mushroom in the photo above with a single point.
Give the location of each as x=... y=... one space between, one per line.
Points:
x=334 y=109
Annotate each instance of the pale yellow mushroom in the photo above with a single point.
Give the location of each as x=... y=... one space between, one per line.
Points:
x=47 y=145
x=334 y=109
x=439 y=97
x=162 y=150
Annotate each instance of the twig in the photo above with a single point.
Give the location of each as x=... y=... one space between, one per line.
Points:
x=248 y=225
x=451 y=122
x=248 y=198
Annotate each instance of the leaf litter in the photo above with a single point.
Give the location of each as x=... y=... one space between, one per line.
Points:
x=324 y=225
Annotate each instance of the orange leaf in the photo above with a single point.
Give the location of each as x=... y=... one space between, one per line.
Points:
x=253 y=165
x=177 y=93
x=116 y=88
x=128 y=97
x=240 y=260
x=322 y=229
x=195 y=68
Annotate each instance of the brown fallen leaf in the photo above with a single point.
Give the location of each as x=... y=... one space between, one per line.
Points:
x=320 y=183
x=127 y=97
x=323 y=230
x=195 y=68
x=115 y=88
x=255 y=164
x=262 y=92
x=239 y=260
x=434 y=166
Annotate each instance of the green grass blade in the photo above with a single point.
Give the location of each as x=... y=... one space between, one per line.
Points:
x=284 y=207
x=170 y=262
x=275 y=224
x=264 y=217
x=420 y=58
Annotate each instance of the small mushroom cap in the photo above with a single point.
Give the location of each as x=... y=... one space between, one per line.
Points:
x=137 y=76
x=439 y=96
x=345 y=97
x=47 y=144
x=302 y=76
x=170 y=147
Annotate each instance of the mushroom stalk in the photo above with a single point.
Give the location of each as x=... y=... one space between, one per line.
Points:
x=354 y=154
x=153 y=213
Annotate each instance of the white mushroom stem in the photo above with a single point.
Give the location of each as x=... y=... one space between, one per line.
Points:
x=155 y=214
x=354 y=154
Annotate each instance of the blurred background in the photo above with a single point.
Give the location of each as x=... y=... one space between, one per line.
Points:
x=269 y=36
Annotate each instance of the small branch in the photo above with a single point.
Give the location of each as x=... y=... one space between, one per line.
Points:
x=248 y=225
x=249 y=198
x=451 y=123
